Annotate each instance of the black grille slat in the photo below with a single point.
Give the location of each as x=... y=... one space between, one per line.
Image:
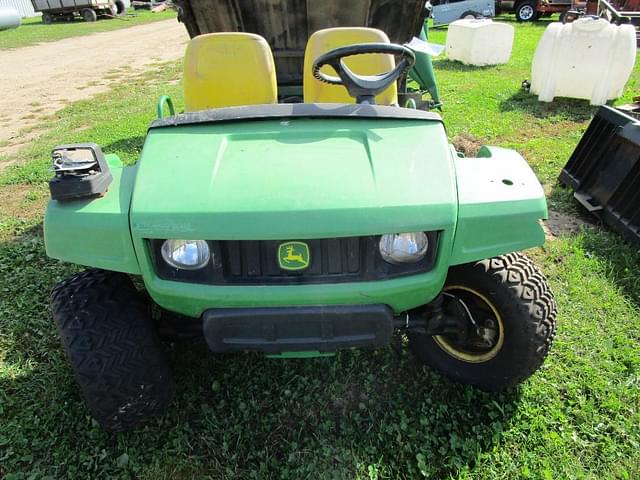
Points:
x=251 y=258
x=334 y=262
x=352 y=254
x=317 y=256
x=232 y=254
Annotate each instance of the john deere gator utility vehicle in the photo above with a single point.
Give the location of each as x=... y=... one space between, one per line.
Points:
x=295 y=213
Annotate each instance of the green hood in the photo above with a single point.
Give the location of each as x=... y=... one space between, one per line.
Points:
x=298 y=178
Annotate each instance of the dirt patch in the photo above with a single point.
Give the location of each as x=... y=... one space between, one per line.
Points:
x=560 y=224
x=467 y=144
x=53 y=74
x=23 y=202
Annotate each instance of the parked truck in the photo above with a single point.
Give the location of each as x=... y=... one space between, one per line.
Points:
x=67 y=10
x=531 y=10
x=444 y=11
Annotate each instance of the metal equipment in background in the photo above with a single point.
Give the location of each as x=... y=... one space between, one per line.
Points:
x=621 y=12
x=604 y=170
x=618 y=12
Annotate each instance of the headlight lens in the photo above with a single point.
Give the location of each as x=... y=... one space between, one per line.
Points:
x=404 y=247
x=186 y=254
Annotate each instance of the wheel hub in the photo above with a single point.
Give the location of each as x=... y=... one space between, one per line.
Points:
x=526 y=12
x=483 y=336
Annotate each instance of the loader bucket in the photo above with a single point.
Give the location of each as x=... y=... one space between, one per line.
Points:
x=604 y=171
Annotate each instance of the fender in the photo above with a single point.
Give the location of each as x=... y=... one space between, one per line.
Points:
x=95 y=232
x=500 y=205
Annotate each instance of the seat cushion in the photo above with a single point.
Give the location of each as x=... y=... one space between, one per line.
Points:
x=228 y=69
x=322 y=41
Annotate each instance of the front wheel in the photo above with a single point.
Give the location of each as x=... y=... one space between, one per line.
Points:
x=121 y=9
x=509 y=315
x=470 y=15
x=89 y=15
x=526 y=11
x=114 y=350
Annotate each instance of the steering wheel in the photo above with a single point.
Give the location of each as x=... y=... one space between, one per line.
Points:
x=363 y=88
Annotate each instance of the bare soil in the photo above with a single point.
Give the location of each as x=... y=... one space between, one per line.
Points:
x=467 y=144
x=38 y=80
x=560 y=224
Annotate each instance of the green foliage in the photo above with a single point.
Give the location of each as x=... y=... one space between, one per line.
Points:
x=361 y=414
x=33 y=30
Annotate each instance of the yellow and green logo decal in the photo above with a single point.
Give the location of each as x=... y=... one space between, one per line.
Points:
x=293 y=256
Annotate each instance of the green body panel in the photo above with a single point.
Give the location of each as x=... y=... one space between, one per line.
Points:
x=500 y=206
x=300 y=179
x=95 y=232
x=422 y=71
x=294 y=179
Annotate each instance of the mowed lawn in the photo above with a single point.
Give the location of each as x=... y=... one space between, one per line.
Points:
x=34 y=31
x=361 y=414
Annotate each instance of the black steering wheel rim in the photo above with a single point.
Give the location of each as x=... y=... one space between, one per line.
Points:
x=363 y=88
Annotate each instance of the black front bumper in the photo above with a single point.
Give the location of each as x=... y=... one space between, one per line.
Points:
x=295 y=329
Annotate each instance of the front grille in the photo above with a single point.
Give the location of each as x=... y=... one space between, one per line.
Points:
x=332 y=260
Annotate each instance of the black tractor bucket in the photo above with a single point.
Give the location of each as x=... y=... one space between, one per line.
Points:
x=604 y=171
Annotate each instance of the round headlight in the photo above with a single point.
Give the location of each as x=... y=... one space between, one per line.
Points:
x=404 y=247
x=186 y=254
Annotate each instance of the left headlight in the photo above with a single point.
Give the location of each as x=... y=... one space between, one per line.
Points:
x=404 y=247
x=186 y=254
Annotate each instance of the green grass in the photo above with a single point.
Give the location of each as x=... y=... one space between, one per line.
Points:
x=34 y=31
x=363 y=414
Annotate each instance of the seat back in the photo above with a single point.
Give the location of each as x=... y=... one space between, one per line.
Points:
x=228 y=69
x=322 y=41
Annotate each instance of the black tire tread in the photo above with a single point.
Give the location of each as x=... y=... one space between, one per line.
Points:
x=534 y=299
x=115 y=353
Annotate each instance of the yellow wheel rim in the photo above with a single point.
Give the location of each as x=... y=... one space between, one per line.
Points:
x=473 y=357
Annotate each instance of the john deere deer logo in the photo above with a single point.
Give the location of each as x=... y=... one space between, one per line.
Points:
x=293 y=256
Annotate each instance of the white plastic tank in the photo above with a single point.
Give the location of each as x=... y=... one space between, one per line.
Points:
x=589 y=58
x=9 y=18
x=479 y=42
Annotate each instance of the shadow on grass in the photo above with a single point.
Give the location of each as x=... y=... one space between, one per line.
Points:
x=333 y=416
x=568 y=108
x=456 y=66
x=129 y=145
x=243 y=416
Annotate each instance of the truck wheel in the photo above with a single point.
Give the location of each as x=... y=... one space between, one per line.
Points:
x=115 y=353
x=89 y=15
x=120 y=8
x=470 y=14
x=526 y=11
x=47 y=18
x=510 y=317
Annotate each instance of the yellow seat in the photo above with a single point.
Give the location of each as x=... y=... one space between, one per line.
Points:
x=322 y=41
x=228 y=69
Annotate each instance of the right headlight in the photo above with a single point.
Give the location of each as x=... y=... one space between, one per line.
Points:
x=186 y=254
x=403 y=247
